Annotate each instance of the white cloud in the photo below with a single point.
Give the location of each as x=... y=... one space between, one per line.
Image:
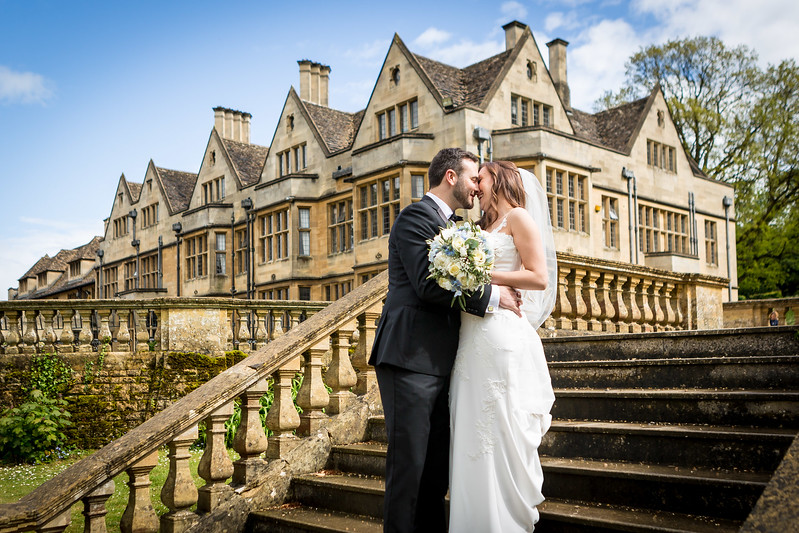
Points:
x=770 y=28
x=431 y=37
x=465 y=52
x=596 y=60
x=559 y=20
x=35 y=237
x=353 y=95
x=23 y=87
x=369 y=52
x=513 y=10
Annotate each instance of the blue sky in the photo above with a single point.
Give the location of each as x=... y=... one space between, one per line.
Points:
x=91 y=90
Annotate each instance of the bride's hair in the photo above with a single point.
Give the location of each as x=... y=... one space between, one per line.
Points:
x=507 y=184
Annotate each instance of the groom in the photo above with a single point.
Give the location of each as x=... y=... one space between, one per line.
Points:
x=415 y=347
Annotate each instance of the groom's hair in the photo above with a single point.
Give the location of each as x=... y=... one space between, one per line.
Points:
x=446 y=159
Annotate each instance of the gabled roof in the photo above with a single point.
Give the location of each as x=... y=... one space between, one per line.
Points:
x=177 y=186
x=135 y=191
x=60 y=261
x=336 y=128
x=615 y=127
x=247 y=159
x=467 y=86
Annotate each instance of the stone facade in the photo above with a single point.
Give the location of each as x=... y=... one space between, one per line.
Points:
x=309 y=216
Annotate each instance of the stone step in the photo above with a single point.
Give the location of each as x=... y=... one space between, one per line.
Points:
x=342 y=492
x=296 y=519
x=748 y=449
x=686 y=490
x=376 y=429
x=750 y=408
x=739 y=342
x=563 y=516
x=765 y=372
x=367 y=458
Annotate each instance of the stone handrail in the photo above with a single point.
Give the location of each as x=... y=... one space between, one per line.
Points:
x=755 y=313
x=168 y=324
x=91 y=480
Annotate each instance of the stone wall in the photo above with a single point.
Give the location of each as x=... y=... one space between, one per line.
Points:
x=755 y=313
x=111 y=393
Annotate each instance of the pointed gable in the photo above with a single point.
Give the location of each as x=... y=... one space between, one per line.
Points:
x=613 y=128
x=177 y=187
x=247 y=160
x=336 y=128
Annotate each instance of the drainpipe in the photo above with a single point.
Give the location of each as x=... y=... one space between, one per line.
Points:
x=160 y=262
x=632 y=212
x=247 y=205
x=100 y=254
x=232 y=255
x=727 y=203
x=135 y=243
x=177 y=227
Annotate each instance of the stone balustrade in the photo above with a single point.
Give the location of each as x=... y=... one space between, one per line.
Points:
x=755 y=313
x=284 y=338
x=206 y=325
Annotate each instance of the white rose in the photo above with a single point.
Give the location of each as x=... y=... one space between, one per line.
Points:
x=479 y=257
x=445 y=284
x=453 y=269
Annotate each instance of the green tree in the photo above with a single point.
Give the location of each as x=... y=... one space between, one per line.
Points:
x=739 y=123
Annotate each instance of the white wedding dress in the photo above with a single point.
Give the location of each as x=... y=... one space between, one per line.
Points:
x=500 y=398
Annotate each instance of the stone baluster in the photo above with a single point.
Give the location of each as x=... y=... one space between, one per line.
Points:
x=340 y=375
x=94 y=510
x=678 y=296
x=139 y=515
x=85 y=336
x=607 y=312
x=277 y=328
x=313 y=396
x=634 y=316
x=295 y=315
x=659 y=317
x=105 y=331
x=57 y=524
x=579 y=309
x=12 y=336
x=283 y=417
x=260 y=331
x=48 y=334
x=665 y=297
x=215 y=465
x=642 y=295
x=179 y=492
x=29 y=337
x=230 y=340
x=142 y=337
x=250 y=439
x=123 y=333
x=243 y=333
x=66 y=338
x=2 y=335
x=360 y=360
x=617 y=299
x=563 y=307
x=593 y=309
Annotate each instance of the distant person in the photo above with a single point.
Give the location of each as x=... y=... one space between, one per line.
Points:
x=774 y=318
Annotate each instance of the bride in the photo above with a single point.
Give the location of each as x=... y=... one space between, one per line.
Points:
x=500 y=392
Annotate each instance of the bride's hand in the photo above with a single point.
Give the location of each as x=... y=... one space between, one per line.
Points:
x=510 y=298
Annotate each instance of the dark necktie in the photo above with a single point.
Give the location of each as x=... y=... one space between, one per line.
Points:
x=455 y=218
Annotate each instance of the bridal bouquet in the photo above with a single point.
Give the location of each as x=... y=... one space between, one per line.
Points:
x=460 y=260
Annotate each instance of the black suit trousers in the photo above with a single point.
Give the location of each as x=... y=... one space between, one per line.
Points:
x=416 y=408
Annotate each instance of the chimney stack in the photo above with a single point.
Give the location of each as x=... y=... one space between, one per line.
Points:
x=314 y=78
x=513 y=32
x=232 y=124
x=557 y=69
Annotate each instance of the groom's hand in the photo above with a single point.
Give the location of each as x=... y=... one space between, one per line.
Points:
x=510 y=298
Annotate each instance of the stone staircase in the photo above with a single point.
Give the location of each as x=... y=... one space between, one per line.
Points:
x=676 y=432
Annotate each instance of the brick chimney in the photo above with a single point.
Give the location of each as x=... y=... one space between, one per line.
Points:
x=513 y=32
x=557 y=69
x=232 y=124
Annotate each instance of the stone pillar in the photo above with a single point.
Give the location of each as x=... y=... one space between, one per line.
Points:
x=29 y=337
x=313 y=396
x=142 y=337
x=283 y=418
x=563 y=307
x=659 y=317
x=340 y=375
x=94 y=510
x=57 y=524
x=260 y=332
x=617 y=299
x=642 y=295
x=230 y=341
x=179 y=492
x=105 y=331
x=593 y=309
x=215 y=464
x=66 y=338
x=85 y=336
x=12 y=338
x=123 y=333
x=634 y=316
x=139 y=515
x=360 y=360
x=48 y=335
x=665 y=296
x=250 y=439
x=277 y=328
x=579 y=309
x=243 y=333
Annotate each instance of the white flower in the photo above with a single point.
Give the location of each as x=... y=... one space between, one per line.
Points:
x=454 y=268
x=479 y=257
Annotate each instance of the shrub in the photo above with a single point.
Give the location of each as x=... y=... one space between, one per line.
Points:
x=33 y=432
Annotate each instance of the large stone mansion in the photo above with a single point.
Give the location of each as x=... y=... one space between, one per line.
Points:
x=308 y=217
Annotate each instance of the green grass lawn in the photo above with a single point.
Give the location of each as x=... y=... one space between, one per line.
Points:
x=18 y=480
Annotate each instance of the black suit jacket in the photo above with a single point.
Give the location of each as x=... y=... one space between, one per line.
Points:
x=418 y=328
